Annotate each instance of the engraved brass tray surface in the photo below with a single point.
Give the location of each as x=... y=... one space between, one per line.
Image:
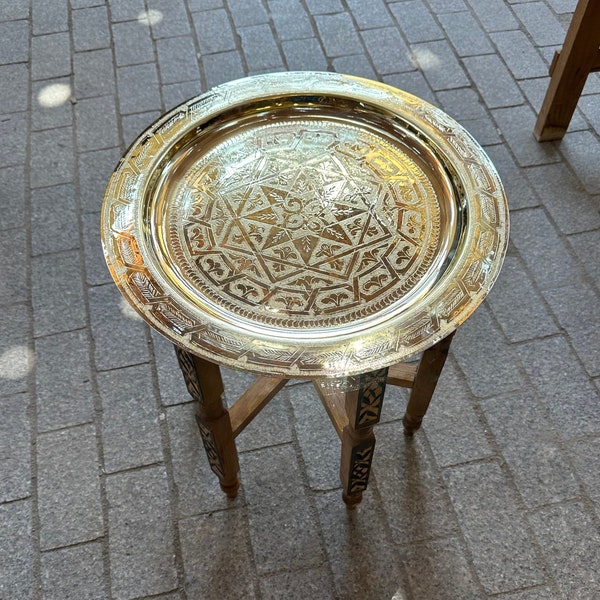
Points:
x=305 y=224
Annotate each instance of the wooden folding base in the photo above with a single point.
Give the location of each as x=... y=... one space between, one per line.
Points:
x=353 y=412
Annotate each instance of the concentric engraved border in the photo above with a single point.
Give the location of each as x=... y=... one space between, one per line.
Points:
x=463 y=286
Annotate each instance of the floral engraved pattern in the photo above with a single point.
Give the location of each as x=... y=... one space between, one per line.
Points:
x=305 y=224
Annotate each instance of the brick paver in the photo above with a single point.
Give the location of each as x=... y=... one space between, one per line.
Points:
x=105 y=492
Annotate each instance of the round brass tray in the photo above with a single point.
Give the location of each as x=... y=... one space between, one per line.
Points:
x=305 y=224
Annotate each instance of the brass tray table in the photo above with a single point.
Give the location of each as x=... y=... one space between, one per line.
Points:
x=306 y=225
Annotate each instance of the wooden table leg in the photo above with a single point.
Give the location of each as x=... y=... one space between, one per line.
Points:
x=363 y=408
x=204 y=383
x=428 y=373
x=578 y=57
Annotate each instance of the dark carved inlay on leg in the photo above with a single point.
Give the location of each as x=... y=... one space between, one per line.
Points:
x=188 y=368
x=370 y=398
x=208 y=439
x=362 y=456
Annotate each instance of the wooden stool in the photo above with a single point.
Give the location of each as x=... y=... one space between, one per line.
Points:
x=306 y=225
x=569 y=70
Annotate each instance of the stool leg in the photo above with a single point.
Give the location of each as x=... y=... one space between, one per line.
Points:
x=363 y=408
x=204 y=383
x=428 y=373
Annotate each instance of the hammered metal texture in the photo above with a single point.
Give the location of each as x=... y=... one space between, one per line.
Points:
x=306 y=224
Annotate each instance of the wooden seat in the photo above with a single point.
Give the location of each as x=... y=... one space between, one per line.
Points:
x=570 y=68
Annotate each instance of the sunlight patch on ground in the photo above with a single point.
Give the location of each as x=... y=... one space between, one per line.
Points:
x=150 y=17
x=425 y=59
x=54 y=95
x=127 y=310
x=16 y=362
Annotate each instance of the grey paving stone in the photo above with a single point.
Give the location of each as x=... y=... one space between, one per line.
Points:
x=440 y=570
x=52 y=157
x=542 y=249
x=587 y=247
x=12 y=200
x=582 y=151
x=201 y=5
x=14 y=91
x=356 y=64
x=138 y=89
x=248 y=12
x=484 y=358
x=50 y=55
x=96 y=120
x=258 y=46
x=290 y=19
x=13 y=249
x=174 y=19
x=321 y=7
x=16 y=553
x=96 y=271
x=90 y=28
x=416 y=21
x=412 y=491
x=15 y=451
x=282 y=530
x=49 y=18
x=370 y=15
x=338 y=34
x=213 y=31
x=127 y=11
x=378 y=42
x=171 y=384
x=43 y=114
x=465 y=34
x=13 y=130
x=573 y=558
x=298 y=585
x=68 y=487
x=571 y=208
x=222 y=67
x=516 y=124
x=198 y=489
x=453 y=429
x=445 y=6
x=304 y=54
x=14 y=42
x=134 y=125
x=439 y=65
x=359 y=549
x=494 y=15
x=229 y=553
x=95 y=169
x=64 y=391
x=585 y=455
x=177 y=93
x=517 y=306
x=94 y=73
x=141 y=541
x=76 y=572
x=57 y=293
x=119 y=334
x=177 y=60
x=536 y=593
x=576 y=308
x=130 y=431
x=412 y=82
x=590 y=107
x=518 y=190
x=12 y=10
x=462 y=104
x=484 y=130
x=55 y=226
x=563 y=386
x=541 y=471
x=319 y=443
x=85 y=3
x=504 y=555
x=16 y=351
x=493 y=81
x=541 y=23
x=519 y=54
x=132 y=43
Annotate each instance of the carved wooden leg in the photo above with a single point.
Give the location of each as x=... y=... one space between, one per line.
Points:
x=204 y=383
x=363 y=408
x=428 y=373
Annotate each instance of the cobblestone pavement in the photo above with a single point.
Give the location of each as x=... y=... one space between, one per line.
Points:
x=105 y=491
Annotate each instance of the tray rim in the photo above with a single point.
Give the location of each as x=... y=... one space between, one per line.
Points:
x=130 y=266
